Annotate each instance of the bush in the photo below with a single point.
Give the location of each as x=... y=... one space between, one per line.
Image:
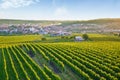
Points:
x=85 y=36
x=43 y=39
x=72 y=37
x=62 y=37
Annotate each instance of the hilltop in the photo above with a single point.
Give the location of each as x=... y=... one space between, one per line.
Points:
x=13 y=21
x=95 y=21
x=64 y=22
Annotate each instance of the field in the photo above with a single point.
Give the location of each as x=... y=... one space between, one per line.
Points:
x=28 y=58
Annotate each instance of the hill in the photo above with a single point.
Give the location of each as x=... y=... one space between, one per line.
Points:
x=67 y=22
x=88 y=26
x=13 y=21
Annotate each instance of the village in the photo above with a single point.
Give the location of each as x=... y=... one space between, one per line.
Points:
x=31 y=29
x=53 y=29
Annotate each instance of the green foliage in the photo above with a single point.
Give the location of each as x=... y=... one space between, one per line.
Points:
x=95 y=60
x=85 y=36
x=64 y=37
x=43 y=39
x=51 y=74
x=72 y=37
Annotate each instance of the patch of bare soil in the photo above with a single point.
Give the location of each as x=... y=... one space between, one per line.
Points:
x=56 y=70
x=31 y=53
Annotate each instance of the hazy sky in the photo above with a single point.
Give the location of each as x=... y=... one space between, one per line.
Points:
x=59 y=9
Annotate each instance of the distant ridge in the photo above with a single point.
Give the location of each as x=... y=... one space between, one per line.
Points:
x=100 y=19
x=64 y=22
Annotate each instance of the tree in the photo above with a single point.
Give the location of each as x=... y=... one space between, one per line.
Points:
x=85 y=36
x=72 y=37
x=43 y=39
x=62 y=37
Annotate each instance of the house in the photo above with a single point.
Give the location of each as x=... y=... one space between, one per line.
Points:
x=78 y=38
x=59 y=33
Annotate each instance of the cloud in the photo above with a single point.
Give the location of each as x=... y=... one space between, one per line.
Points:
x=16 y=3
x=61 y=11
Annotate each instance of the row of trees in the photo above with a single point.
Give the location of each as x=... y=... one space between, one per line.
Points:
x=84 y=36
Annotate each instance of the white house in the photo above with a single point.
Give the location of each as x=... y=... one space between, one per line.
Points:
x=79 y=38
x=32 y=29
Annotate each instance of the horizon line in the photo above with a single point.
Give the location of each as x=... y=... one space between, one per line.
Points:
x=56 y=19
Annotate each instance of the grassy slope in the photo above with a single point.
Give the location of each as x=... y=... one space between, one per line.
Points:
x=41 y=22
x=19 y=39
x=37 y=38
x=96 y=21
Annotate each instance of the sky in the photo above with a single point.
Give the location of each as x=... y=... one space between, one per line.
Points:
x=59 y=9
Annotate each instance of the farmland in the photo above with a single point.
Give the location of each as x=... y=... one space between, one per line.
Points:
x=28 y=58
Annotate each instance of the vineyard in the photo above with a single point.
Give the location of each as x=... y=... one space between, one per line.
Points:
x=39 y=61
x=95 y=60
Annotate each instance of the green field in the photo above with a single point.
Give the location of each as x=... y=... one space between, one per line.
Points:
x=27 y=57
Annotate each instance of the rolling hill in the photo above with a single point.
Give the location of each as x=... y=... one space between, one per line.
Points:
x=96 y=25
